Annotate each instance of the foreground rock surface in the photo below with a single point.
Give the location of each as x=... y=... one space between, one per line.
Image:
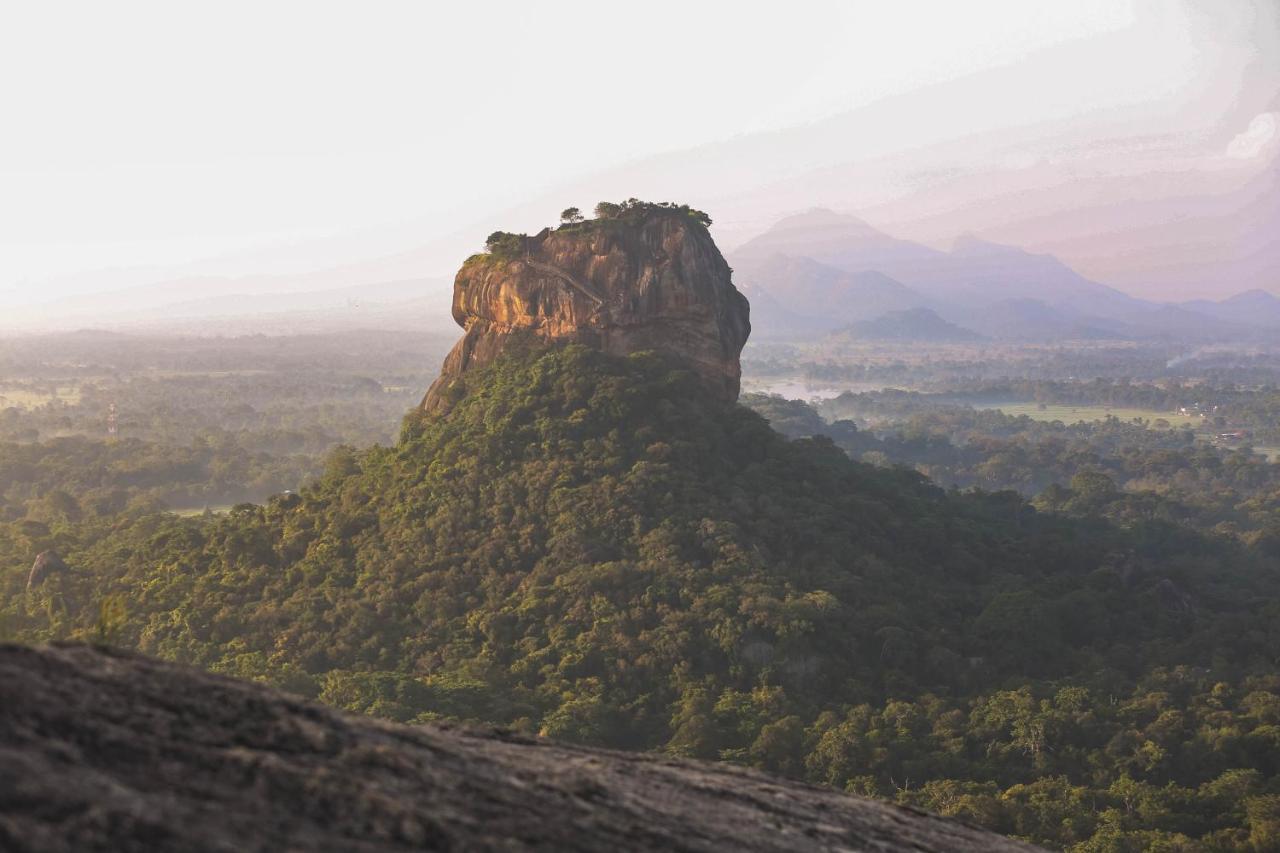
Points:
x=103 y=750
x=652 y=281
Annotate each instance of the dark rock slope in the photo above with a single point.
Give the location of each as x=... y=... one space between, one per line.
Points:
x=102 y=750
x=651 y=281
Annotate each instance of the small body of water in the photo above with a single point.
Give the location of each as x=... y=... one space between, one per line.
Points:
x=795 y=391
x=798 y=389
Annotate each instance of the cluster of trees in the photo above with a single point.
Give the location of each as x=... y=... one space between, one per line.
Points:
x=1221 y=404
x=507 y=244
x=1256 y=408
x=1167 y=474
x=989 y=367
x=633 y=209
x=66 y=479
x=1163 y=396
x=199 y=423
x=594 y=549
x=946 y=366
x=264 y=412
x=76 y=357
x=282 y=396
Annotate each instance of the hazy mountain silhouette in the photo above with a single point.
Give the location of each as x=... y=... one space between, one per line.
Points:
x=798 y=294
x=997 y=290
x=973 y=271
x=1250 y=308
x=915 y=324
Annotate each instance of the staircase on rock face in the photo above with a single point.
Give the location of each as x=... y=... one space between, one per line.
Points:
x=566 y=278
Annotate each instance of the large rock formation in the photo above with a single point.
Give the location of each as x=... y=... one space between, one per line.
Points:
x=648 y=278
x=107 y=751
x=47 y=563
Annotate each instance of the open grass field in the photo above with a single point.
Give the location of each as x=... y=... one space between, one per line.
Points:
x=1075 y=414
x=192 y=512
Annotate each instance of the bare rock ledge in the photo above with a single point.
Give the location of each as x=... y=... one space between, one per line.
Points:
x=104 y=750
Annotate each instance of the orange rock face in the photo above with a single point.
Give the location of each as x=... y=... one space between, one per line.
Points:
x=655 y=282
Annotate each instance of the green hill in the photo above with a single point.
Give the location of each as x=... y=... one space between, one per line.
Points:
x=593 y=548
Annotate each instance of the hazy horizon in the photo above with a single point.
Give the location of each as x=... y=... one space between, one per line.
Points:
x=1134 y=141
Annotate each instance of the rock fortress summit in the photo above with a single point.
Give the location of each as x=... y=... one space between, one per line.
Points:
x=639 y=276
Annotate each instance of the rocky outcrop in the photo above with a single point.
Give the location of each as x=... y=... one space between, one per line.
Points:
x=651 y=279
x=102 y=750
x=46 y=564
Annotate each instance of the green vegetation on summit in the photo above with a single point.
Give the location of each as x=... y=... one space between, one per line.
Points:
x=608 y=215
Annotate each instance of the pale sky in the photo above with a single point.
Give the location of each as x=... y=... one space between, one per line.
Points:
x=171 y=134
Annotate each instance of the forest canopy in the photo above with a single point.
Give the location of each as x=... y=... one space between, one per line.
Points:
x=591 y=548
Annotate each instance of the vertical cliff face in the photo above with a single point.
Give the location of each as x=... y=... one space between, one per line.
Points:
x=650 y=280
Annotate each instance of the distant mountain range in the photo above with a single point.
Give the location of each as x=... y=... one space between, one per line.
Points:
x=1164 y=205
x=914 y=324
x=822 y=271
x=1251 y=308
x=807 y=275
x=799 y=294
